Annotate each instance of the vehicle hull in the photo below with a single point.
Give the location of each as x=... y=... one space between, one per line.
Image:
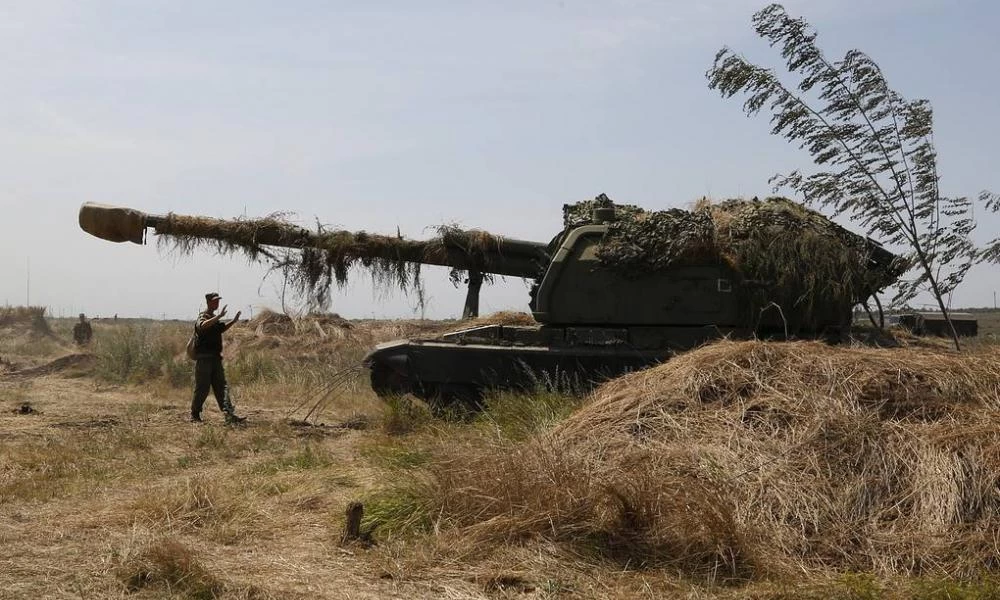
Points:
x=459 y=367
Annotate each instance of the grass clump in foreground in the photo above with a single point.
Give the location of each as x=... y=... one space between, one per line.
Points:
x=746 y=461
x=861 y=586
x=420 y=445
x=40 y=470
x=227 y=512
x=403 y=509
x=170 y=564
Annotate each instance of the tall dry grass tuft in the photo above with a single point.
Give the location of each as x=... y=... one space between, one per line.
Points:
x=227 y=512
x=26 y=332
x=649 y=514
x=34 y=315
x=755 y=459
x=169 y=564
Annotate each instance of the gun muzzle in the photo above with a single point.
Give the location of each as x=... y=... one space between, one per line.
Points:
x=113 y=223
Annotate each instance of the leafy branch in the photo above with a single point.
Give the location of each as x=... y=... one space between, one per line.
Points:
x=875 y=150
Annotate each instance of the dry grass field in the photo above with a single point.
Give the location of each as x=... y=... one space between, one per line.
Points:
x=740 y=470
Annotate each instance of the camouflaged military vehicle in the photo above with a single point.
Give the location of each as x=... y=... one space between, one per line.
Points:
x=617 y=289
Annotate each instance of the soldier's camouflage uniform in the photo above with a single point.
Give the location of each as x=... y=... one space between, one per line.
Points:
x=208 y=370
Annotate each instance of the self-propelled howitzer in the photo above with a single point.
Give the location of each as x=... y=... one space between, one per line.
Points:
x=618 y=289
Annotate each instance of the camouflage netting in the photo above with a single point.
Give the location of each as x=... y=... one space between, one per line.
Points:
x=787 y=255
x=582 y=213
x=314 y=261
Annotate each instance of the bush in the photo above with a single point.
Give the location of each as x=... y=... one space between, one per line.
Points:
x=135 y=354
x=179 y=372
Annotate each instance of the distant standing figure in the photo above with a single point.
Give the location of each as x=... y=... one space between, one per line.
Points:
x=208 y=370
x=82 y=331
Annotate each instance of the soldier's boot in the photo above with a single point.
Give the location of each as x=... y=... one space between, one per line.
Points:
x=227 y=407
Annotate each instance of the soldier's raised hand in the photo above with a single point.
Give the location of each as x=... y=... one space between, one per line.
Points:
x=222 y=312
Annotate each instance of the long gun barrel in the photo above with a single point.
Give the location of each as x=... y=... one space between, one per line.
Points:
x=471 y=250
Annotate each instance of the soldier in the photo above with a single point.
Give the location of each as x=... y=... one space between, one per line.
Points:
x=82 y=331
x=208 y=371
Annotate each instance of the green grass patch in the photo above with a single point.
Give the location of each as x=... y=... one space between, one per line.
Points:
x=396 y=457
x=307 y=457
x=404 y=509
x=212 y=438
x=944 y=589
x=179 y=372
x=404 y=415
x=517 y=415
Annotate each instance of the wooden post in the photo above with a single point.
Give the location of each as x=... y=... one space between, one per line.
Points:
x=471 y=310
x=352 y=528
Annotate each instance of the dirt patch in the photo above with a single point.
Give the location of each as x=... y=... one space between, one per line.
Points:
x=75 y=362
x=99 y=423
x=307 y=429
x=7 y=366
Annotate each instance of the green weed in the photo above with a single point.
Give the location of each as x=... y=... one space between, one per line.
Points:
x=518 y=415
x=403 y=415
x=399 y=510
x=212 y=438
x=306 y=458
x=397 y=457
x=944 y=589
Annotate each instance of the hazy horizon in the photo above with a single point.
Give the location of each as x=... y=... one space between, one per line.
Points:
x=372 y=118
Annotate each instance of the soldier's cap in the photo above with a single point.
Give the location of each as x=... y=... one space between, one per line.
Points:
x=212 y=296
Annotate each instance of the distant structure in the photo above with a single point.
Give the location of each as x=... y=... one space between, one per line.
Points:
x=934 y=323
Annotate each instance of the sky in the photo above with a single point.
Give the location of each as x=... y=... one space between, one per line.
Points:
x=383 y=115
